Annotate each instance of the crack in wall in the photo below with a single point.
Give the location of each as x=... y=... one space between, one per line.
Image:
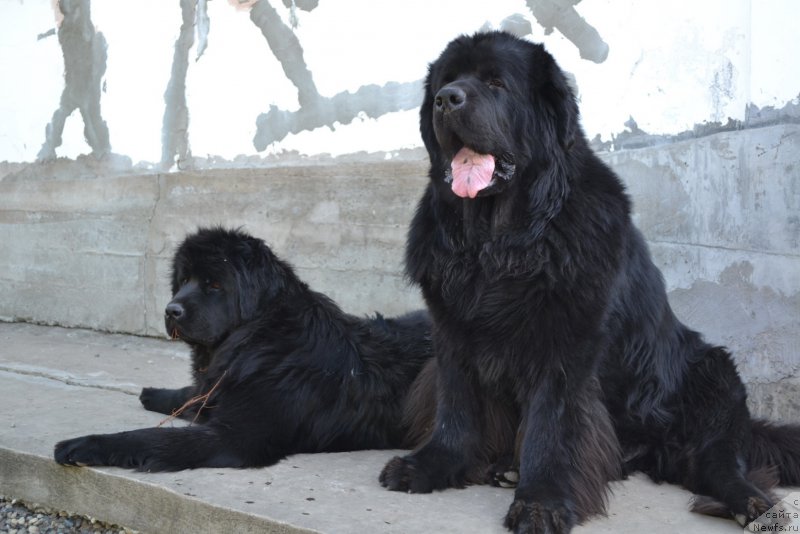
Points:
x=85 y=53
x=315 y=110
x=782 y=254
x=151 y=254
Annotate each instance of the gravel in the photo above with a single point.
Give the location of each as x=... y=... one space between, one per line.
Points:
x=17 y=517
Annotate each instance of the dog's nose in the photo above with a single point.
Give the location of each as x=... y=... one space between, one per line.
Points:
x=450 y=98
x=174 y=310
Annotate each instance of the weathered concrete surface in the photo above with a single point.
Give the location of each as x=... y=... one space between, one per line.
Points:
x=58 y=383
x=722 y=214
x=95 y=253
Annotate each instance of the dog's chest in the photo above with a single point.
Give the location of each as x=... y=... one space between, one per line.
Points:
x=482 y=284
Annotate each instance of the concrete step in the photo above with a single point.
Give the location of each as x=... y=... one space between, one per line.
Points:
x=58 y=383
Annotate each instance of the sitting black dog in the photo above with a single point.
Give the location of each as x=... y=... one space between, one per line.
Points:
x=278 y=368
x=555 y=342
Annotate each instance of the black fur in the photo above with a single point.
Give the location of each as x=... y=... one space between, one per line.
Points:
x=289 y=372
x=548 y=311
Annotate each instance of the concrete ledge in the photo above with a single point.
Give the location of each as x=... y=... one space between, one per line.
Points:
x=57 y=383
x=150 y=506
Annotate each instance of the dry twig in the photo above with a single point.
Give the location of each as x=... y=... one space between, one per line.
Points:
x=194 y=400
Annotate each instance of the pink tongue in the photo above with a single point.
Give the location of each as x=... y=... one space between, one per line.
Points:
x=471 y=172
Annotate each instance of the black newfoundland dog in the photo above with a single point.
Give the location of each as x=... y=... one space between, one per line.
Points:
x=553 y=335
x=278 y=369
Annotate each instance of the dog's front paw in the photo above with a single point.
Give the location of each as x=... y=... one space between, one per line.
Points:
x=165 y=401
x=526 y=517
x=404 y=474
x=79 y=451
x=152 y=399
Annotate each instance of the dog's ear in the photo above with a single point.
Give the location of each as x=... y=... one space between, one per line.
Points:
x=556 y=126
x=553 y=90
x=259 y=277
x=426 y=119
x=249 y=281
x=562 y=100
x=248 y=293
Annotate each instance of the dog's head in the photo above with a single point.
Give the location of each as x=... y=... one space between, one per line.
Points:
x=220 y=279
x=494 y=106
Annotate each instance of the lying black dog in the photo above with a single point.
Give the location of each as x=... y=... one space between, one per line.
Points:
x=552 y=329
x=278 y=369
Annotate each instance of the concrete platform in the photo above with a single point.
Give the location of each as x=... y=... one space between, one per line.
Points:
x=58 y=383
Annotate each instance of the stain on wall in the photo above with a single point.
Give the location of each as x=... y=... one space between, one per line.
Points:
x=717 y=61
x=561 y=15
x=203 y=23
x=316 y=110
x=634 y=137
x=175 y=132
x=85 y=54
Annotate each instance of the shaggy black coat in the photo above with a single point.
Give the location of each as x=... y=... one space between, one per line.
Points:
x=554 y=340
x=282 y=368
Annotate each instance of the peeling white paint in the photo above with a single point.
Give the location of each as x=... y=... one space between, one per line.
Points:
x=670 y=66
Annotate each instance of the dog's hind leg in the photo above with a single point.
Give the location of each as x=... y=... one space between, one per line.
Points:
x=726 y=489
x=776 y=447
x=719 y=433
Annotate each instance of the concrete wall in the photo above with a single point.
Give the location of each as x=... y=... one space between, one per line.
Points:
x=720 y=212
x=95 y=252
x=722 y=217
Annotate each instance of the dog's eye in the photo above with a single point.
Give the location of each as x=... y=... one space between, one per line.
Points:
x=213 y=285
x=496 y=82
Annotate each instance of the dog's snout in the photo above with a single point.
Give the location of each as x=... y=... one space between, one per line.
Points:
x=174 y=310
x=450 y=98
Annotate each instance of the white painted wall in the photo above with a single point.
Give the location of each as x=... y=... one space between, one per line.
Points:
x=671 y=66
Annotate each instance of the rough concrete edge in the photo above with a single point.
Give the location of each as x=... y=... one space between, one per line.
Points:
x=634 y=138
x=776 y=401
x=121 y=500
